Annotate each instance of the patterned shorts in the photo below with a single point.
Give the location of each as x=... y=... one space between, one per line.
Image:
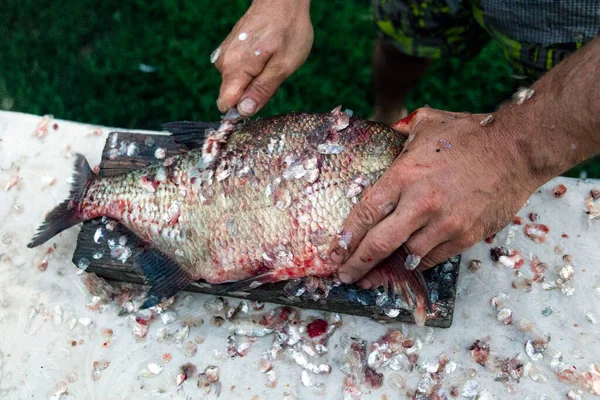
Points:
x=534 y=35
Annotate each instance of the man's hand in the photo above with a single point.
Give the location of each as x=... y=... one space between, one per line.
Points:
x=269 y=43
x=455 y=183
x=461 y=179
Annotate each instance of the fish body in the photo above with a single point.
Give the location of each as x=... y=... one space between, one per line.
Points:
x=259 y=199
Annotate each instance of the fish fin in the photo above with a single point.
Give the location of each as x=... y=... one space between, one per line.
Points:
x=409 y=284
x=190 y=133
x=245 y=284
x=165 y=277
x=66 y=214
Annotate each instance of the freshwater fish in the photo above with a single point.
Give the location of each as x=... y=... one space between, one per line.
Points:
x=252 y=201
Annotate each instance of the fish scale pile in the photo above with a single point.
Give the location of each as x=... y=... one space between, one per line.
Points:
x=302 y=341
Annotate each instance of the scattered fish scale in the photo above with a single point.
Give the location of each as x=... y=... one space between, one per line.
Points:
x=559 y=191
x=523 y=94
x=588 y=381
x=151 y=370
x=538 y=268
x=487 y=120
x=512 y=259
x=506 y=370
x=505 y=316
x=433 y=377
x=474 y=265
x=480 y=350
x=98 y=367
x=537 y=232
x=352 y=366
x=592 y=205
x=535 y=348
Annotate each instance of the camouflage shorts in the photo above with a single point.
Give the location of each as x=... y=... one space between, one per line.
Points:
x=534 y=35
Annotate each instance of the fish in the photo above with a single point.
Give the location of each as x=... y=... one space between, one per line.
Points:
x=251 y=201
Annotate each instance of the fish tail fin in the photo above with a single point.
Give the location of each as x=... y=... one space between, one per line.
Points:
x=409 y=284
x=66 y=214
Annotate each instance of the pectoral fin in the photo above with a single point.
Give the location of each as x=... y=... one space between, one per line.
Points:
x=164 y=276
x=409 y=284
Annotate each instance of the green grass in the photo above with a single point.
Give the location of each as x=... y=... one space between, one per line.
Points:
x=80 y=60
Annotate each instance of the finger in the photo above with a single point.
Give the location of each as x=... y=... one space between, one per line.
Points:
x=366 y=282
x=441 y=253
x=379 y=201
x=263 y=87
x=238 y=69
x=372 y=279
x=381 y=241
x=418 y=246
x=232 y=87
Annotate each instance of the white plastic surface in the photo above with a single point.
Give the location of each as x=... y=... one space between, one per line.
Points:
x=38 y=353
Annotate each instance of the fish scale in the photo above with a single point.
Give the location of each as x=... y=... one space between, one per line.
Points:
x=260 y=200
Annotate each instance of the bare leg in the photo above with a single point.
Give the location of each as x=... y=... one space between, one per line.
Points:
x=394 y=73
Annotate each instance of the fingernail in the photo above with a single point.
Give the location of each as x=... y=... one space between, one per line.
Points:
x=336 y=256
x=345 y=278
x=247 y=106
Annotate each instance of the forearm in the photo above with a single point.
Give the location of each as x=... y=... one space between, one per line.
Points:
x=559 y=126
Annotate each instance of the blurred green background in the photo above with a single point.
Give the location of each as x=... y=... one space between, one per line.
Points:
x=139 y=63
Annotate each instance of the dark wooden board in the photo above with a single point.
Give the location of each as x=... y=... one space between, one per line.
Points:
x=347 y=299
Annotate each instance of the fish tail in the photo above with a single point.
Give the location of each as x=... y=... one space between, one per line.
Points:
x=67 y=213
x=409 y=284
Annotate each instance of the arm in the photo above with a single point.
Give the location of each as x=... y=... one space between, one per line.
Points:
x=460 y=180
x=269 y=43
x=562 y=118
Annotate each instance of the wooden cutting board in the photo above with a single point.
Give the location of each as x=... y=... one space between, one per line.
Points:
x=346 y=299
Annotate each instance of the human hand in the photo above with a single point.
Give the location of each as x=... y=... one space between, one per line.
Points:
x=456 y=182
x=269 y=43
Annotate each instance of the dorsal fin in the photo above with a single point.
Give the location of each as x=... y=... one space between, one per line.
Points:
x=190 y=133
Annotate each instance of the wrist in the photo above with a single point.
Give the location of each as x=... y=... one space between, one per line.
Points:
x=523 y=137
x=557 y=128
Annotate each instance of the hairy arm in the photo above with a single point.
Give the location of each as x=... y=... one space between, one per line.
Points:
x=560 y=124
